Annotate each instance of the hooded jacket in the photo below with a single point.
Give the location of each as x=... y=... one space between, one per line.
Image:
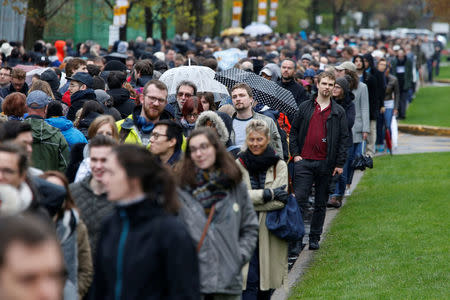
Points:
x=50 y=149
x=229 y=242
x=72 y=135
x=337 y=132
x=122 y=101
x=145 y=253
x=77 y=101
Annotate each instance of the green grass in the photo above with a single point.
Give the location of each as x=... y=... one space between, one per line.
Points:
x=444 y=71
x=431 y=106
x=391 y=239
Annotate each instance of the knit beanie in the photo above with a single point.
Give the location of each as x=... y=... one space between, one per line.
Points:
x=343 y=83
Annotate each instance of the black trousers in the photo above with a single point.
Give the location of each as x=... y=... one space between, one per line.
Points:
x=308 y=172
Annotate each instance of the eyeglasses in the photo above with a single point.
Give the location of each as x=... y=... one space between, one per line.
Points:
x=202 y=148
x=155 y=99
x=192 y=115
x=5 y=75
x=156 y=135
x=187 y=95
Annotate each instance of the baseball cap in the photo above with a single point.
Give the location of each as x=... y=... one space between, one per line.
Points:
x=346 y=65
x=266 y=71
x=38 y=99
x=82 y=77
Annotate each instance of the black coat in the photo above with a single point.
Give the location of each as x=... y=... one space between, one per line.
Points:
x=77 y=101
x=349 y=107
x=146 y=254
x=337 y=132
x=296 y=89
x=122 y=101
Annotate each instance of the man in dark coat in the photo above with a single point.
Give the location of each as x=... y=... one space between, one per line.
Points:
x=80 y=88
x=17 y=84
x=287 y=81
x=144 y=251
x=318 y=143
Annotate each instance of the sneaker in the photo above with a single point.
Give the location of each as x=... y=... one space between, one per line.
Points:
x=334 y=202
x=347 y=192
x=314 y=245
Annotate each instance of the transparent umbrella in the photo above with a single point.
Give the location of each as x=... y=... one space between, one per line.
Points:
x=255 y=29
x=202 y=77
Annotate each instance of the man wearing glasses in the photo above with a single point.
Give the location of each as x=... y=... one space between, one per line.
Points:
x=5 y=77
x=185 y=90
x=166 y=140
x=137 y=127
x=17 y=84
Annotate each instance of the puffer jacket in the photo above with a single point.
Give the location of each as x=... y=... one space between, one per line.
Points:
x=72 y=135
x=50 y=149
x=93 y=209
x=229 y=242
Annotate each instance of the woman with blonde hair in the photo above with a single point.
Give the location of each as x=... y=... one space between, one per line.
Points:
x=266 y=177
x=42 y=85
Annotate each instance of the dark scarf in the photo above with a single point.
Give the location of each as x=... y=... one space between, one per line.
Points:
x=256 y=164
x=212 y=186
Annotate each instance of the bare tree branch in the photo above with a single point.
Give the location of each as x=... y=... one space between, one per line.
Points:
x=51 y=14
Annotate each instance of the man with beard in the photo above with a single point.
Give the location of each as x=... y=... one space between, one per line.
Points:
x=319 y=140
x=287 y=81
x=242 y=97
x=137 y=127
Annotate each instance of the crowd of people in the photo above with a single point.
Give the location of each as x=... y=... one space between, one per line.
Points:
x=110 y=188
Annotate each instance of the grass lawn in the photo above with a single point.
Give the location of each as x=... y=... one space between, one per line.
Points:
x=391 y=239
x=444 y=72
x=430 y=107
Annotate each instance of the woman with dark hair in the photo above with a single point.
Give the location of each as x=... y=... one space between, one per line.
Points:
x=144 y=251
x=91 y=110
x=266 y=177
x=192 y=108
x=73 y=236
x=207 y=100
x=212 y=193
x=344 y=97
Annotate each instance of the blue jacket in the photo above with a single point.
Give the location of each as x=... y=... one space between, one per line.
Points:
x=72 y=135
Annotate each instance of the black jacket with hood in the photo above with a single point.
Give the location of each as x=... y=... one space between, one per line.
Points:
x=77 y=101
x=122 y=101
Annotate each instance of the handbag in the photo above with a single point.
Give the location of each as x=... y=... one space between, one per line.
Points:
x=205 y=229
x=361 y=162
x=286 y=223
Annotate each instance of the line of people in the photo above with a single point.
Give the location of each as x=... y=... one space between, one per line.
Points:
x=158 y=199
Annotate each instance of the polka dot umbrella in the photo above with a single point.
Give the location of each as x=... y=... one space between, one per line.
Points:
x=264 y=91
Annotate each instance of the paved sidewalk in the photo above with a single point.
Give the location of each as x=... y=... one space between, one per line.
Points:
x=407 y=144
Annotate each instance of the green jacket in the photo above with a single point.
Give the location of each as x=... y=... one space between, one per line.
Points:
x=50 y=149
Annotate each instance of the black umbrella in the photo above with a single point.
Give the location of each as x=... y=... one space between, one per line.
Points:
x=264 y=91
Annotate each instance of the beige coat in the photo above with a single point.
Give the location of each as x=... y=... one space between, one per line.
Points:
x=273 y=251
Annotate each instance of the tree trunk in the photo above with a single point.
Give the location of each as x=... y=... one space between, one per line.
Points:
x=148 y=21
x=35 y=23
x=337 y=15
x=248 y=12
x=198 y=10
x=218 y=24
x=314 y=12
x=365 y=19
x=163 y=22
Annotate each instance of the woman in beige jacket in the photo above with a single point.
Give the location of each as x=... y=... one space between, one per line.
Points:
x=266 y=177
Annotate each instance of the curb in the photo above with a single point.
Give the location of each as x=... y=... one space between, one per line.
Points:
x=307 y=256
x=424 y=129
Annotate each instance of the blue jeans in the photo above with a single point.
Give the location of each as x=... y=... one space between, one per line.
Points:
x=383 y=121
x=357 y=150
x=430 y=69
